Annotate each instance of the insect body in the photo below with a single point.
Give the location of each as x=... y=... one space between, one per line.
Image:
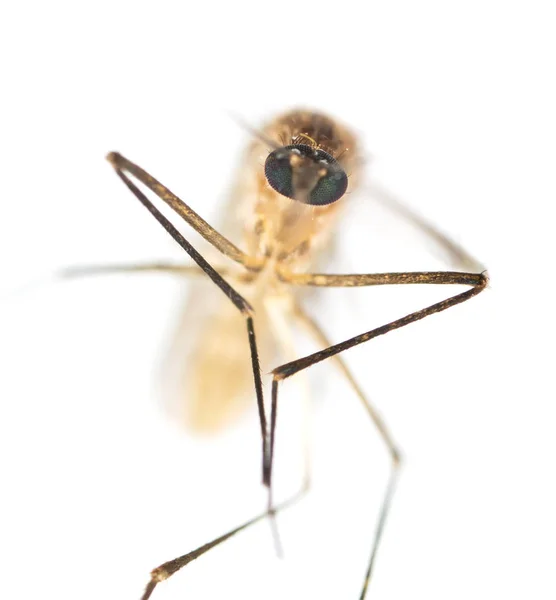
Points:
x=297 y=176
x=284 y=215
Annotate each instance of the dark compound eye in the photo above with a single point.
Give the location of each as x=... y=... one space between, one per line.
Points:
x=282 y=169
x=278 y=171
x=330 y=187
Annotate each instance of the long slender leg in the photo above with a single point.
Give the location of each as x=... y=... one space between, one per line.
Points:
x=167 y=569
x=281 y=326
x=79 y=271
x=122 y=164
x=239 y=302
x=478 y=281
x=315 y=330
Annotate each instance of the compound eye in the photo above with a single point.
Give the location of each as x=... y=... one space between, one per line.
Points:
x=284 y=164
x=330 y=187
x=278 y=172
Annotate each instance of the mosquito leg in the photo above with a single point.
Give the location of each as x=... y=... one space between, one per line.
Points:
x=167 y=569
x=122 y=165
x=318 y=334
x=79 y=271
x=478 y=281
x=237 y=300
x=179 y=270
x=280 y=324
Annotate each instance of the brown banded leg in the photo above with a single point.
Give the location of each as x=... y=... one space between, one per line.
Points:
x=121 y=165
x=167 y=569
x=478 y=281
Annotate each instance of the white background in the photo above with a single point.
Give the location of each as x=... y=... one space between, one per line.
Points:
x=454 y=102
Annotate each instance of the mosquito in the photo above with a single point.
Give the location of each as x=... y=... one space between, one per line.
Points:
x=298 y=171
